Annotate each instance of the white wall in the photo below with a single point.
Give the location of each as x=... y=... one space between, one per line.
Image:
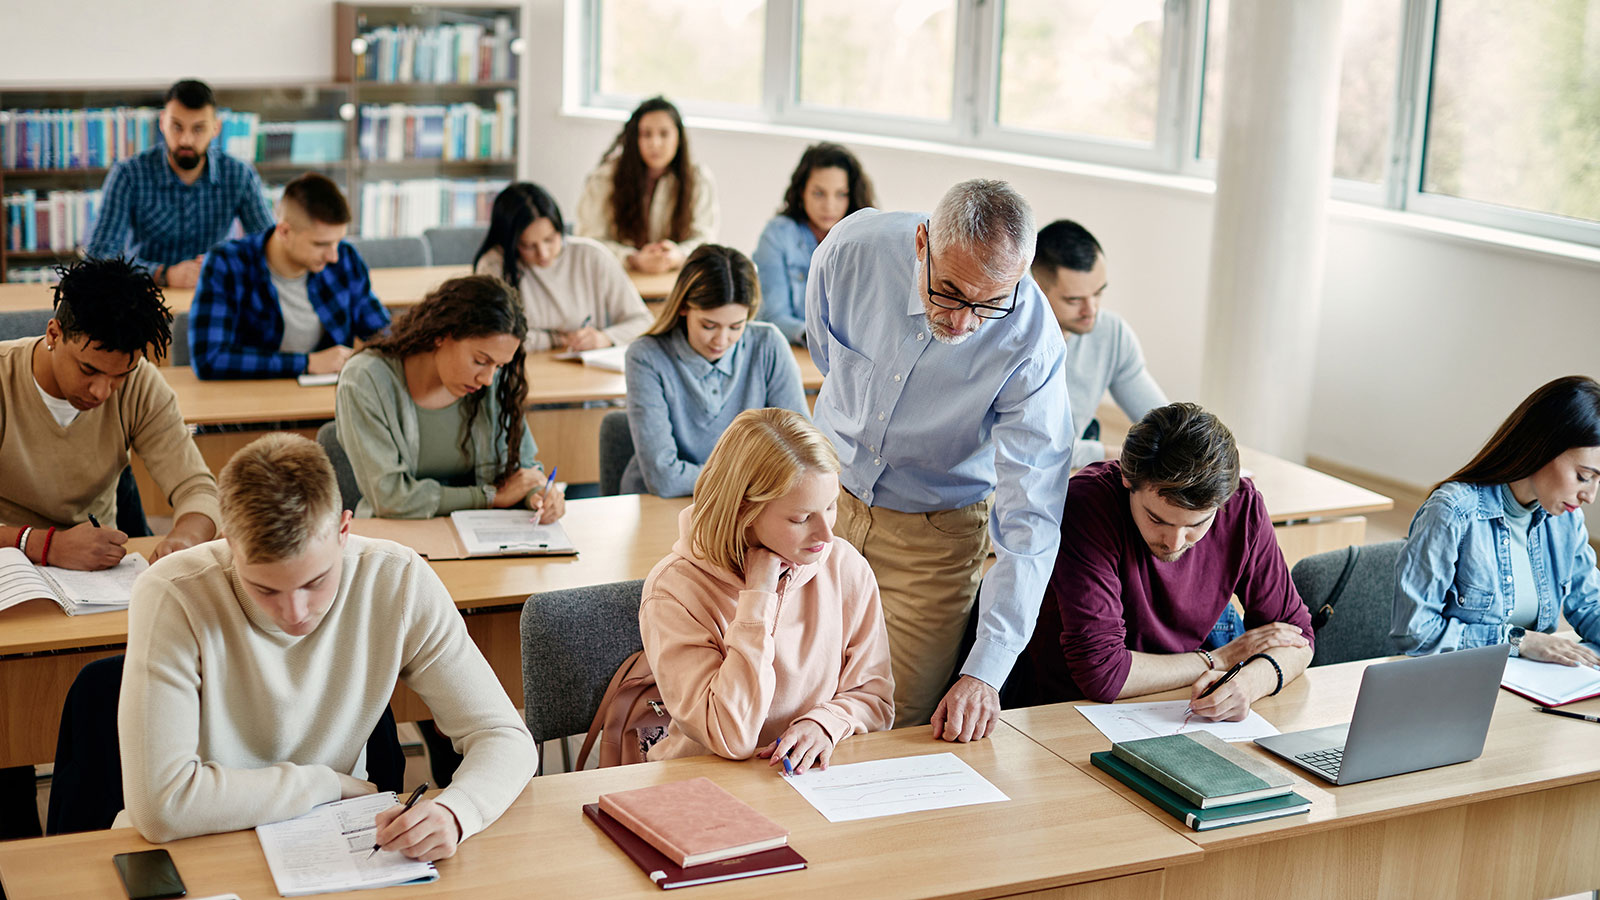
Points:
x=1426 y=342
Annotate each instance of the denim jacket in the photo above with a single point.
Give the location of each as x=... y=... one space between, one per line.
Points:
x=1453 y=587
x=783 y=261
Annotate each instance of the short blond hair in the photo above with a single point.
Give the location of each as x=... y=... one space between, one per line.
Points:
x=278 y=494
x=758 y=459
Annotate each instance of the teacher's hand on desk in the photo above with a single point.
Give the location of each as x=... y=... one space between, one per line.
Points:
x=1258 y=640
x=83 y=547
x=968 y=712
x=427 y=831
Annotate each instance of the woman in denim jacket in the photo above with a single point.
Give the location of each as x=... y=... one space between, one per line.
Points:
x=1500 y=545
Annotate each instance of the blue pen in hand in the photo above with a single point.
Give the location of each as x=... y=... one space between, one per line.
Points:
x=788 y=769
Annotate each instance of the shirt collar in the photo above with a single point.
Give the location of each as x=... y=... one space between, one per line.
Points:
x=698 y=365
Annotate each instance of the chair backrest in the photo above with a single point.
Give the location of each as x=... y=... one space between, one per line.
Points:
x=23 y=323
x=616 y=451
x=393 y=252
x=349 y=491
x=178 y=352
x=454 y=245
x=572 y=643
x=1353 y=589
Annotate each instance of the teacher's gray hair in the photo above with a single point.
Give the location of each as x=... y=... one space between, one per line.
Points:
x=989 y=220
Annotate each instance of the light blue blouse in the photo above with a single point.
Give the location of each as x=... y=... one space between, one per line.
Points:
x=783 y=258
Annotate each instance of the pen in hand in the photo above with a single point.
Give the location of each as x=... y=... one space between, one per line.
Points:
x=1212 y=688
x=93 y=521
x=788 y=768
x=415 y=796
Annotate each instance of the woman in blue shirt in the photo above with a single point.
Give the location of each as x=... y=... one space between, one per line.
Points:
x=1500 y=546
x=828 y=185
x=700 y=365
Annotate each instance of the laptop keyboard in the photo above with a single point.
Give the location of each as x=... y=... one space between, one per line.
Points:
x=1324 y=761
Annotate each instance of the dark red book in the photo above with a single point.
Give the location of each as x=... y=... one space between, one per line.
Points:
x=668 y=875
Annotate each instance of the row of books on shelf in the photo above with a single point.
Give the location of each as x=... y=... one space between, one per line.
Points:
x=55 y=220
x=459 y=131
x=442 y=54
x=98 y=138
x=311 y=142
x=396 y=208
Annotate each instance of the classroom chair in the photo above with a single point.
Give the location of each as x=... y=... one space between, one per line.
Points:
x=392 y=253
x=23 y=323
x=572 y=643
x=454 y=245
x=349 y=491
x=616 y=451
x=1350 y=594
x=178 y=352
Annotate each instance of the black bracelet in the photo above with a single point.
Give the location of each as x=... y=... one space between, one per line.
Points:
x=1275 y=667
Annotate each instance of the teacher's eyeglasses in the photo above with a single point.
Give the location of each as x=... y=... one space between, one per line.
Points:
x=949 y=301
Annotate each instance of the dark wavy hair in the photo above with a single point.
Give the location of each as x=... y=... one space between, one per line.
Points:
x=1185 y=453
x=827 y=156
x=630 y=205
x=515 y=208
x=116 y=305
x=469 y=307
x=713 y=276
x=1555 y=418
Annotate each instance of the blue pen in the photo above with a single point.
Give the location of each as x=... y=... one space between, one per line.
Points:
x=548 y=484
x=787 y=768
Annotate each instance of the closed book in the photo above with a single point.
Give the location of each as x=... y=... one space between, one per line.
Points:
x=668 y=875
x=1198 y=819
x=694 y=821
x=1204 y=769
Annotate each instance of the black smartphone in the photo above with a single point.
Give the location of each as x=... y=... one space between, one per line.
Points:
x=149 y=875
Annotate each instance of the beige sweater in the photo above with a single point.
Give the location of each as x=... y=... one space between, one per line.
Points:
x=594 y=211
x=736 y=668
x=226 y=722
x=51 y=475
x=584 y=282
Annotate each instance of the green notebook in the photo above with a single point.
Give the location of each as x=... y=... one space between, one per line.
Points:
x=1204 y=769
x=1193 y=816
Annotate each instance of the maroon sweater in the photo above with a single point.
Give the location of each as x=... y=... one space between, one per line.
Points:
x=1109 y=595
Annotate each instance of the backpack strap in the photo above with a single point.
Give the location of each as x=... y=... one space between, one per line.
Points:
x=606 y=699
x=1322 y=615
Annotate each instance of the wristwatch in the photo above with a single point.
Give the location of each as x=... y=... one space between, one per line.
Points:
x=489 y=491
x=1514 y=637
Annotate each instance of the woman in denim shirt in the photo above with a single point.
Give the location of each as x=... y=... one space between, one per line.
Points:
x=1500 y=546
x=826 y=186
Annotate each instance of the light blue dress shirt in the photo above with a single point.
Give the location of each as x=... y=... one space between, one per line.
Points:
x=923 y=426
x=783 y=259
x=679 y=402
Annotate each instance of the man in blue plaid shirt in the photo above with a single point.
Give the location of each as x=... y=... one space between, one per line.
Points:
x=290 y=300
x=180 y=197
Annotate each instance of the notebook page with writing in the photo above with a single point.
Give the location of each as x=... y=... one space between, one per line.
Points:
x=510 y=532
x=330 y=849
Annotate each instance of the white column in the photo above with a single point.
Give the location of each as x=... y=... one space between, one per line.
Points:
x=1268 y=245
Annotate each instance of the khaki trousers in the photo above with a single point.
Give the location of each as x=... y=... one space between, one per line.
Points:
x=928 y=567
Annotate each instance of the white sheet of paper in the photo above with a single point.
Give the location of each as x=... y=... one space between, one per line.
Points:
x=499 y=532
x=308 y=380
x=1551 y=683
x=1132 y=721
x=330 y=849
x=887 y=787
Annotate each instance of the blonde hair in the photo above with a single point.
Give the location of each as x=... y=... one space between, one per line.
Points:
x=758 y=459
x=278 y=494
x=714 y=276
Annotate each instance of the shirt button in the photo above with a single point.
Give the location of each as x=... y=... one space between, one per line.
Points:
x=871 y=449
x=880 y=417
x=897 y=378
x=877 y=462
x=920 y=335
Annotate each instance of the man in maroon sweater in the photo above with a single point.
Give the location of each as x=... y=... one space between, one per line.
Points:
x=1152 y=547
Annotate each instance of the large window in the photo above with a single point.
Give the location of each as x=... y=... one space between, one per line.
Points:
x=706 y=51
x=893 y=58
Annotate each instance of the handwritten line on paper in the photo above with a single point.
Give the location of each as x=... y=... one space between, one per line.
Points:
x=1132 y=721
x=887 y=787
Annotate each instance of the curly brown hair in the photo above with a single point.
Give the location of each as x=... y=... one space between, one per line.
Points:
x=827 y=156
x=630 y=205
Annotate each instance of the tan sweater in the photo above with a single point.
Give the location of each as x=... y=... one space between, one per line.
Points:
x=226 y=722
x=51 y=475
x=736 y=668
x=584 y=282
x=595 y=220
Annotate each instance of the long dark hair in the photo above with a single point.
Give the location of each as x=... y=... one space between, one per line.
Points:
x=515 y=208
x=630 y=206
x=712 y=277
x=469 y=307
x=827 y=156
x=1555 y=418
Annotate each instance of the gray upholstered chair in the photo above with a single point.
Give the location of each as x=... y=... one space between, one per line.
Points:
x=572 y=643
x=1350 y=594
x=24 y=322
x=616 y=451
x=349 y=491
x=454 y=245
x=178 y=353
x=392 y=253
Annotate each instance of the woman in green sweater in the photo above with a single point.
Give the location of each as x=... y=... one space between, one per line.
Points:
x=431 y=414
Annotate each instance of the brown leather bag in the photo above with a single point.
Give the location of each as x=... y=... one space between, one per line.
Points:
x=631 y=716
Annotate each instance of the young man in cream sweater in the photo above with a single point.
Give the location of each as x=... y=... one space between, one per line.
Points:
x=258 y=665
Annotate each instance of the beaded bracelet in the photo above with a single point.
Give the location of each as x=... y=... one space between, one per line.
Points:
x=44 y=557
x=1275 y=667
x=1206 y=655
x=22 y=540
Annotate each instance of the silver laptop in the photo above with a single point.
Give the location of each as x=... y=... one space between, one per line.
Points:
x=1411 y=714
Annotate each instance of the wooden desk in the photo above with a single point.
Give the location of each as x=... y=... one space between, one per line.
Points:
x=1521 y=821
x=619 y=539
x=1061 y=835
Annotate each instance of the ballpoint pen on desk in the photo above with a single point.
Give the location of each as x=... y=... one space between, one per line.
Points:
x=1212 y=688
x=1570 y=715
x=415 y=796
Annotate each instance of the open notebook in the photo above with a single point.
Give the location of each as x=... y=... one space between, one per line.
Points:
x=77 y=593
x=1551 y=683
x=330 y=849
x=612 y=359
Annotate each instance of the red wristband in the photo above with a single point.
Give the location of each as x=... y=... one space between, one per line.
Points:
x=21 y=532
x=44 y=557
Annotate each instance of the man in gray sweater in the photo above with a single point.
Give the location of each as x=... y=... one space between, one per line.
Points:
x=258 y=665
x=1102 y=351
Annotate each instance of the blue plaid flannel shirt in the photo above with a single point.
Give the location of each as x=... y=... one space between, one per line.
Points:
x=236 y=322
x=169 y=221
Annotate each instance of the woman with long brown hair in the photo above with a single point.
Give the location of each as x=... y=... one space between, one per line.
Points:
x=1500 y=547
x=648 y=201
x=431 y=414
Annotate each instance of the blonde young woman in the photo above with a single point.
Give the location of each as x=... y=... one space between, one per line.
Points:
x=763 y=628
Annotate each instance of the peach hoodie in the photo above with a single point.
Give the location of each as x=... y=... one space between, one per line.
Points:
x=736 y=667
